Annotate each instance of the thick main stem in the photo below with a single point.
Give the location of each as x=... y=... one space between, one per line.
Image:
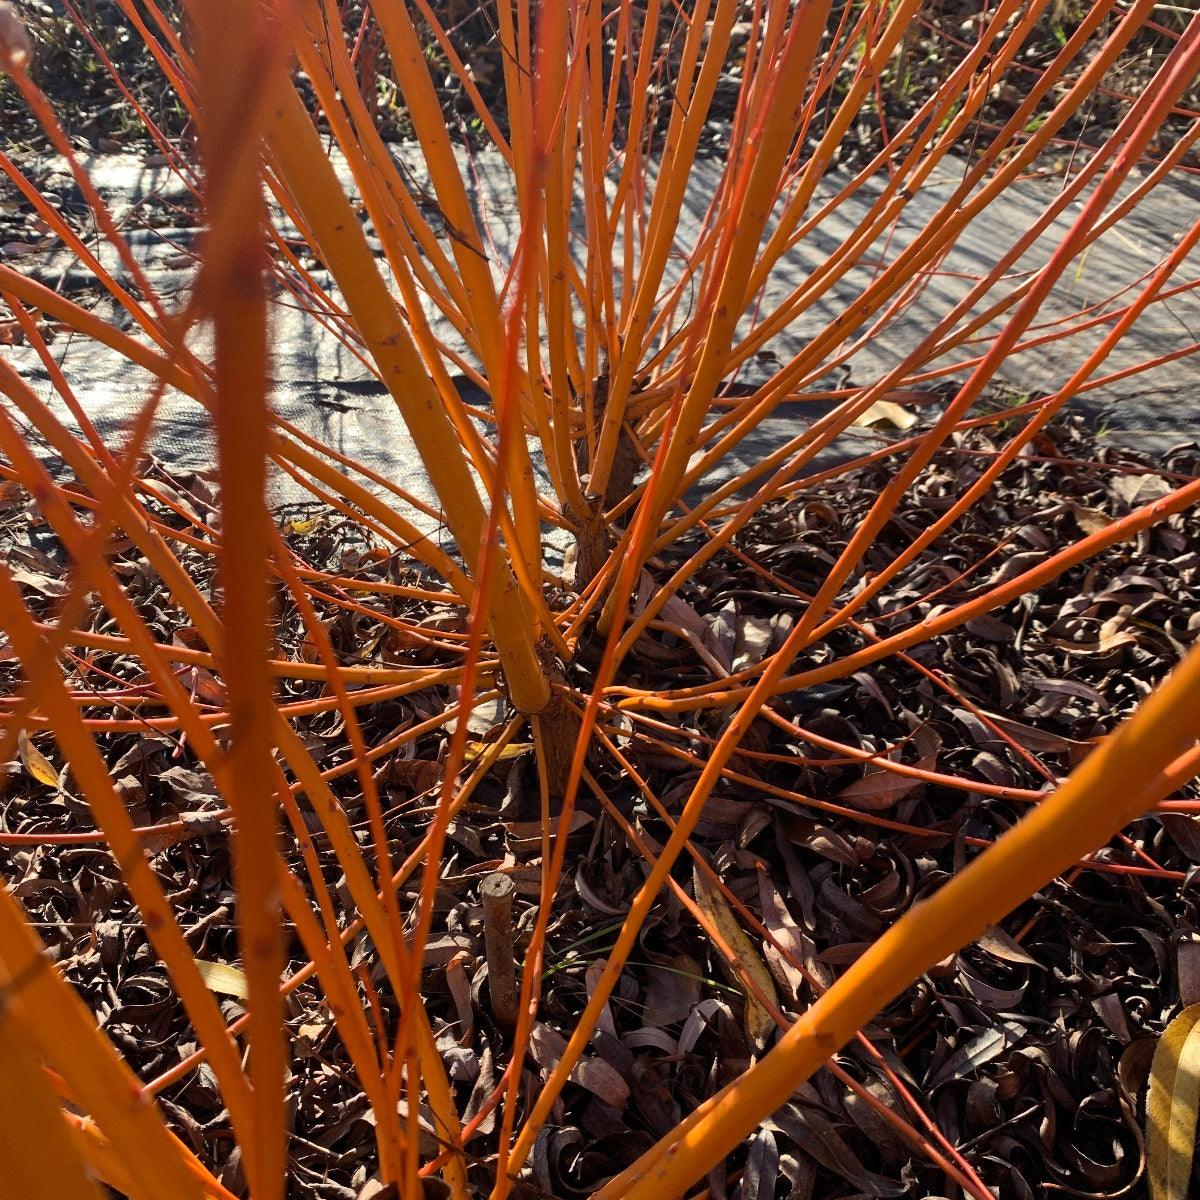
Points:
x=301 y=161
x=593 y=544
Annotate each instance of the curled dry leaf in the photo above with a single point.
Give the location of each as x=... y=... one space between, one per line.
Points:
x=673 y=991
x=1187 y=968
x=787 y=934
x=878 y=789
x=599 y=1077
x=811 y=1132
x=761 y=1172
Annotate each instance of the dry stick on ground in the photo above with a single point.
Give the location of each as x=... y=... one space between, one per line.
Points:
x=497 y=893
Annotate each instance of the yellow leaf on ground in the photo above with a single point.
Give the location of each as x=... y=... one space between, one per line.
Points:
x=302 y=525
x=1171 y=1107
x=513 y=750
x=759 y=1021
x=223 y=979
x=886 y=412
x=35 y=762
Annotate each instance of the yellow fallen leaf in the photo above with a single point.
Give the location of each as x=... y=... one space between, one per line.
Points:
x=512 y=750
x=35 y=762
x=759 y=1022
x=885 y=412
x=1171 y=1107
x=223 y=979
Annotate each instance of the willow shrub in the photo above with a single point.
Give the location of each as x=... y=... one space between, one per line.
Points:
x=608 y=363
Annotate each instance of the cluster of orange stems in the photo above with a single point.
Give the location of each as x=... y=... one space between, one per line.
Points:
x=604 y=362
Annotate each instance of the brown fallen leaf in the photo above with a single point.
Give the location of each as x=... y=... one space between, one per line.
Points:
x=599 y=1077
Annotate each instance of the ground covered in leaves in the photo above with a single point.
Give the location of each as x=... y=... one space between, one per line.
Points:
x=1029 y=1049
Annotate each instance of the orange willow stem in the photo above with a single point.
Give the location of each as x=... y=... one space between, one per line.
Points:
x=390 y=1164
x=297 y=151
x=41 y=1160
x=412 y=71
x=106 y=1163
x=683 y=137
x=64 y=1034
x=47 y=687
x=233 y=55
x=1119 y=781
x=328 y=956
x=534 y=200
x=748 y=214
x=960 y=1170
x=380 y=676
x=935 y=239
